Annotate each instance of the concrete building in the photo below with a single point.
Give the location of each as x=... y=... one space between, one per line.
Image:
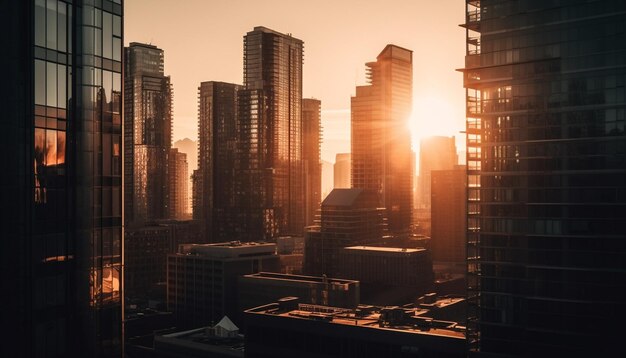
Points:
x=341 y=171
x=449 y=224
x=311 y=157
x=349 y=217
x=381 y=144
x=546 y=165
x=266 y=287
x=202 y=278
x=291 y=329
x=147 y=134
x=388 y=276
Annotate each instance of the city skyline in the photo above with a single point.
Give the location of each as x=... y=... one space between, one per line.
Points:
x=330 y=54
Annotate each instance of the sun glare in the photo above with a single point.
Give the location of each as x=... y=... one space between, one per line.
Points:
x=432 y=116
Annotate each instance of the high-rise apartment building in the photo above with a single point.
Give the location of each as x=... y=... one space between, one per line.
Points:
x=311 y=156
x=381 y=145
x=178 y=184
x=61 y=192
x=217 y=150
x=147 y=134
x=270 y=183
x=341 y=171
x=546 y=157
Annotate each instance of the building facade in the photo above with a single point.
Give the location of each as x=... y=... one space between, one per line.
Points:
x=270 y=175
x=147 y=134
x=381 y=145
x=448 y=204
x=217 y=150
x=546 y=156
x=61 y=206
x=311 y=157
x=178 y=185
x=341 y=171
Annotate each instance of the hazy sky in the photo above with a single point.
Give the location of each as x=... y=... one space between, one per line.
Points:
x=203 y=40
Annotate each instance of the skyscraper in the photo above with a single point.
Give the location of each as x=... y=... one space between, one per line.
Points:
x=546 y=156
x=381 y=144
x=61 y=201
x=270 y=182
x=341 y=171
x=147 y=134
x=448 y=215
x=311 y=156
x=217 y=148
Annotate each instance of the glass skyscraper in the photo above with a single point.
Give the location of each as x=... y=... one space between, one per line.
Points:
x=381 y=145
x=61 y=221
x=546 y=156
x=270 y=182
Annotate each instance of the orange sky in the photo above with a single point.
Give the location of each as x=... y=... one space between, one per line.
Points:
x=203 y=40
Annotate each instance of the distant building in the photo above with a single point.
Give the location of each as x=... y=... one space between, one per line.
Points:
x=269 y=178
x=145 y=258
x=381 y=144
x=311 y=156
x=341 y=171
x=202 y=278
x=217 y=147
x=348 y=217
x=265 y=287
x=387 y=275
x=148 y=134
x=178 y=185
x=436 y=153
x=292 y=329
x=449 y=222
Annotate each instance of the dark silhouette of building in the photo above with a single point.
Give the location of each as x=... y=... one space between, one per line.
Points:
x=145 y=259
x=269 y=175
x=388 y=275
x=147 y=134
x=291 y=329
x=266 y=287
x=448 y=205
x=341 y=171
x=381 y=145
x=546 y=157
x=178 y=185
x=61 y=188
x=202 y=278
x=311 y=156
x=436 y=153
x=217 y=150
x=348 y=217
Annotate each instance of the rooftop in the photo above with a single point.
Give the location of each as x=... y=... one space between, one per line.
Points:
x=384 y=249
x=200 y=342
x=230 y=249
x=407 y=320
x=298 y=278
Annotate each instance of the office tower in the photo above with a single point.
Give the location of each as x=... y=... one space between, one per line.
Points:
x=289 y=328
x=341 y=171
x=202 y=278
x=270 y=181
x=147 y=134
x=381 y=144
x=311 y=157
x=348 y=217
x=60 y=206
x=177 y=184
x=189 y=147
x=217 y=144
x=449 y=199
x=546 y=157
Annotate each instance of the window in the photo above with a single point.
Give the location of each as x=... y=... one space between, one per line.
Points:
x=40 y=82
x=40 y=23
x=51 y=24
x=51 y=84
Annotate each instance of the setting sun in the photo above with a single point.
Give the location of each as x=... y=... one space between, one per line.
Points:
x=433 y=116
